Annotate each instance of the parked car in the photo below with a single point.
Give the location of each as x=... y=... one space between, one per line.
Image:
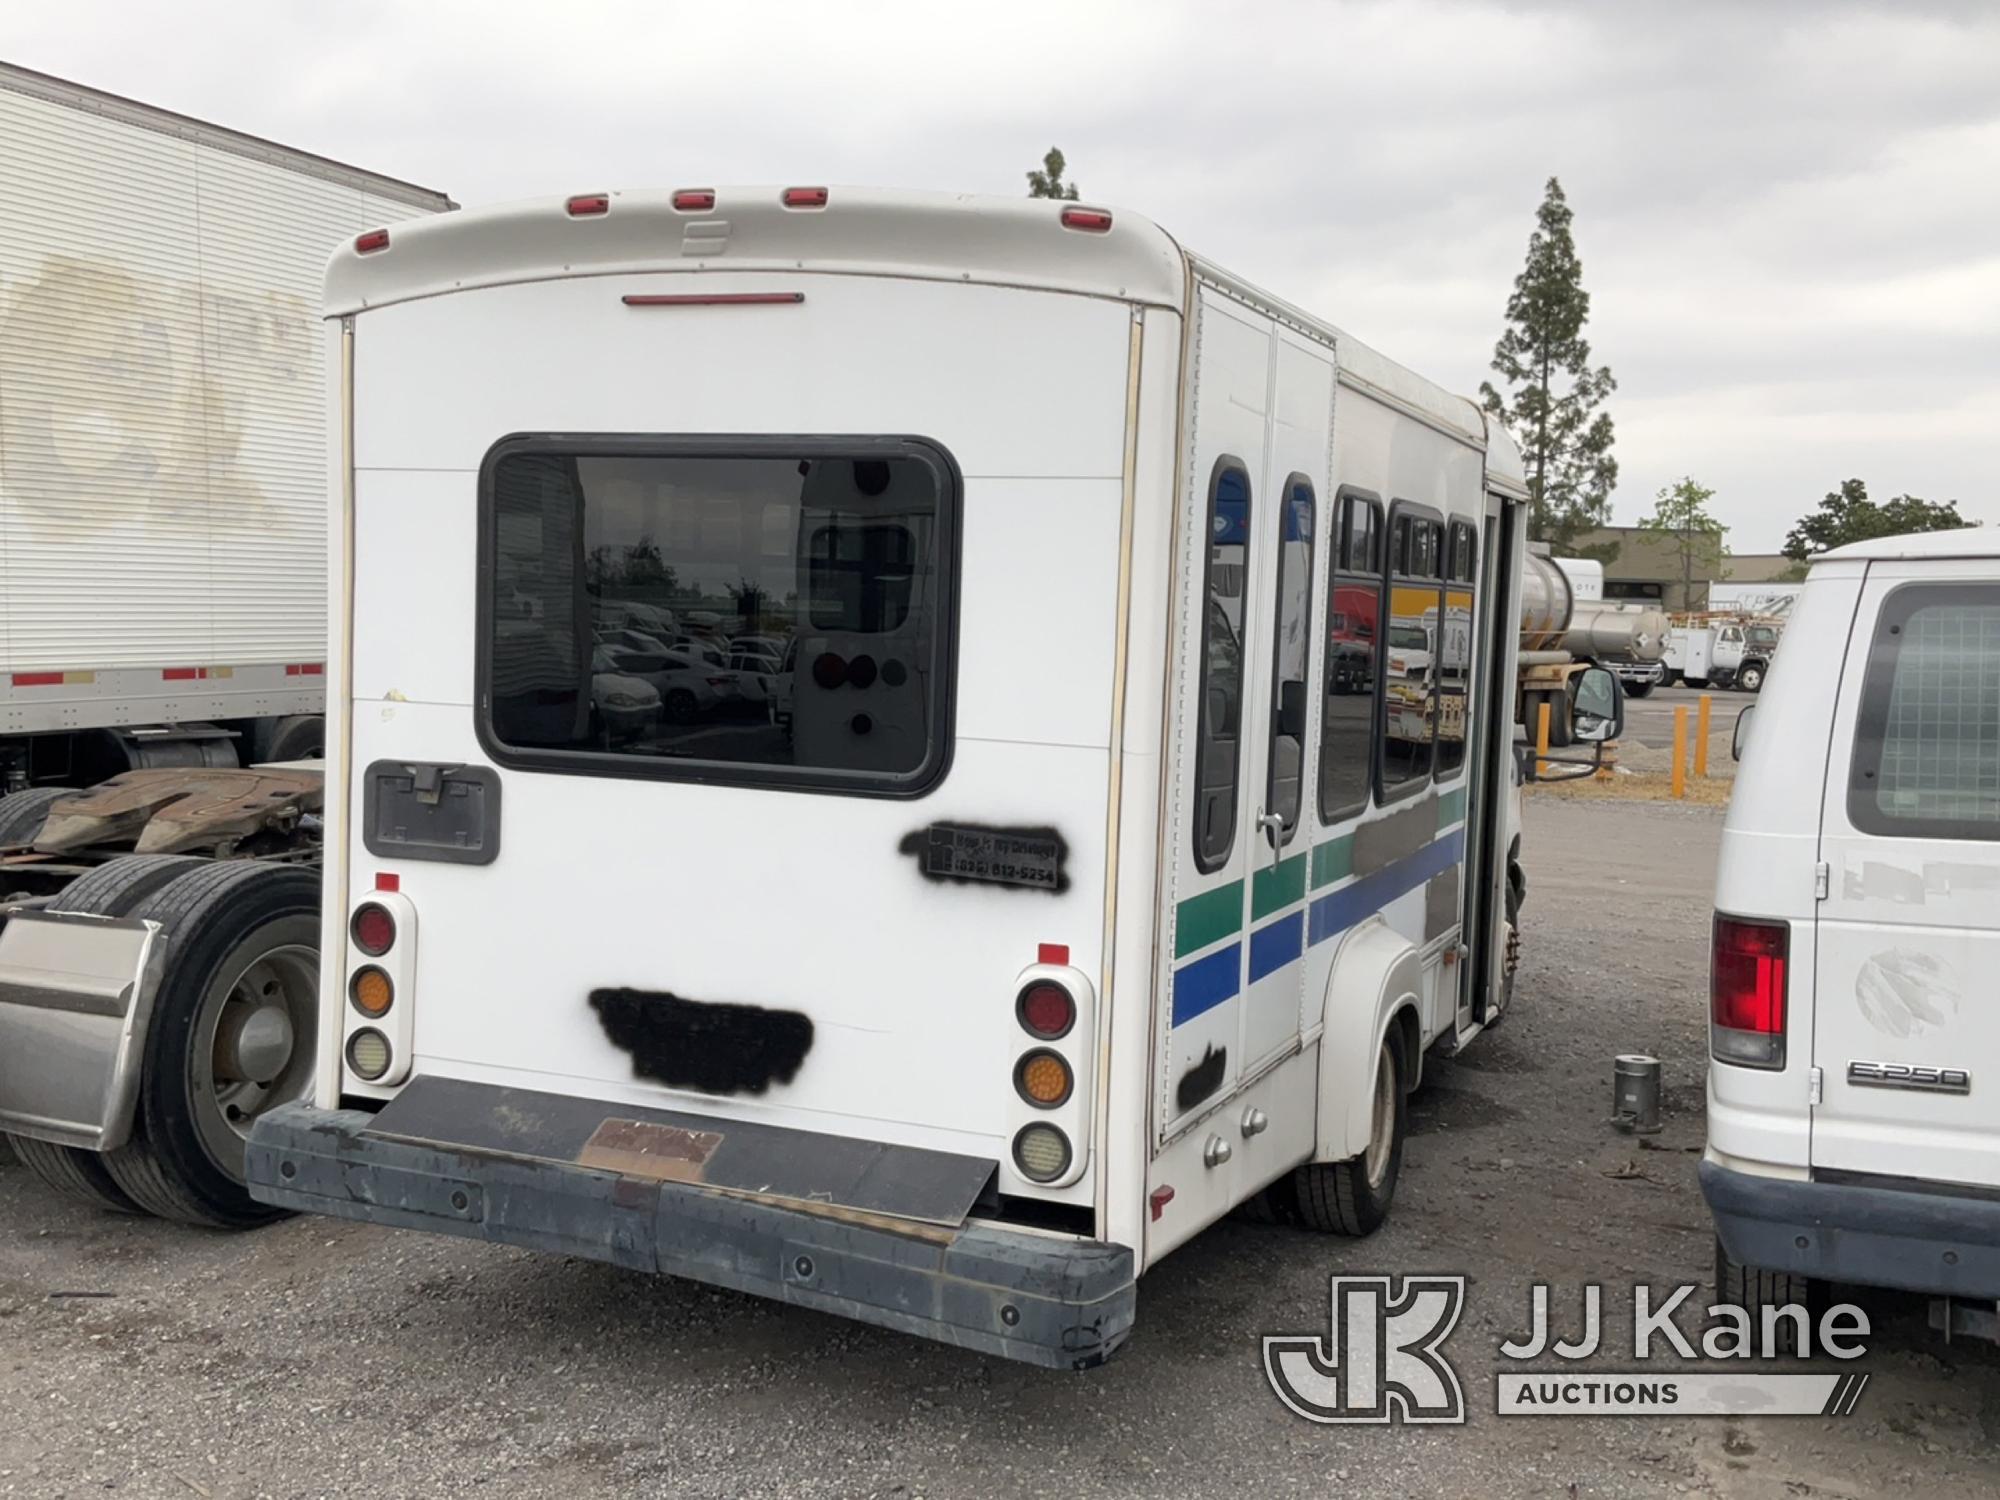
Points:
x=625 y=706
x=1853 y=1118
x=686 y=689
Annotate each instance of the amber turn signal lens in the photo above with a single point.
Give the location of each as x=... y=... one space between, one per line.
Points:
x=372 y=992
x=1043 y=1079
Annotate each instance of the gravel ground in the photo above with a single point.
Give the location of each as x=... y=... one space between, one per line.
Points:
x=317 y=1358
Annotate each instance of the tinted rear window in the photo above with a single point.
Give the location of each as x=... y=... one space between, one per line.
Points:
x=772 y=611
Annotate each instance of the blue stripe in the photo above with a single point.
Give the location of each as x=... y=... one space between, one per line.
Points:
x=1339 y=910
x=1272 y=947
x=1206 y=983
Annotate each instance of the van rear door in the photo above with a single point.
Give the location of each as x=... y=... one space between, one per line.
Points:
x=1904 y=1026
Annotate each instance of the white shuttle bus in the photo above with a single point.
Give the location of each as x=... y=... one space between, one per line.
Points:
x=1106 y=872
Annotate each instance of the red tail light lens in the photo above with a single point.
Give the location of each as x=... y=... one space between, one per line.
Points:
x=373 y=240
x=1746 y=992
x=1046 y=1010
x=829 y=671
x=1089 y=220
x=373 y=930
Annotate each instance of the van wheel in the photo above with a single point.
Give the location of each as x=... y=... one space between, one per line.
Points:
x=1353 y=1196
x=1751 y=678
x=23 y=813
x=74 y=1173
x=1753 y=1290
x=231 y=1036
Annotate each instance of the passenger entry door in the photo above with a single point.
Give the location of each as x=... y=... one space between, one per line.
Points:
x=1902 y=1023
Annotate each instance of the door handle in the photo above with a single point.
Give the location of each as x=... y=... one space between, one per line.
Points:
x=1274 y=825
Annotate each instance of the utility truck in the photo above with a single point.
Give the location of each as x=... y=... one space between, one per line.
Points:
x=162 y=629
x=1726 y=651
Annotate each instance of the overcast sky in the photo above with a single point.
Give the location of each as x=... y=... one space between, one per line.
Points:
x=1788 y=211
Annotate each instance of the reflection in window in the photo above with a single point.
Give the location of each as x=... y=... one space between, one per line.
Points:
x=1347 y=713
x=774 y=616
x=1410 y=660
x=1291 y=654
x=1220 y=709
x=1455 y=646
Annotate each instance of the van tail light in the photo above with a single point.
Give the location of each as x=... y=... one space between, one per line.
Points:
x=1746 y=992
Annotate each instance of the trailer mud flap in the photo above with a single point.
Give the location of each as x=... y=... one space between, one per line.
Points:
x=824 y=1174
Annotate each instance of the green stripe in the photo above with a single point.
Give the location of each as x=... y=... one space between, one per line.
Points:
x=1451 y=808
x=1277 y=887
x=1333 y=861
x=1208 y=918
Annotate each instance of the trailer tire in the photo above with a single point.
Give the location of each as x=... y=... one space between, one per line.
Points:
x=297 y=737
x=236 y=934
x=1352 y=1197
x=1738 y=1285
x=1668 y=677
x=74 y=1173
x=23 y=813
x=114 y=888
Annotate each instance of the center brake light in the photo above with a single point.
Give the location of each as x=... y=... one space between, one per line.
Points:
x=1746 y=992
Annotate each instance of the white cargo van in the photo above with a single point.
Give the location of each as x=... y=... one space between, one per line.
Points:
x=1079 y=891
x=1854 y=1087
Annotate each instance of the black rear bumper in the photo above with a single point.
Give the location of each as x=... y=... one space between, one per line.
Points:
x=1060 y=1303
x=1940 y=1243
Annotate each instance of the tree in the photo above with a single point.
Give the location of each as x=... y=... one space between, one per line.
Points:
x=1048 y=182
x=1848 y=515
x=1681 y=511
x=1565 y=440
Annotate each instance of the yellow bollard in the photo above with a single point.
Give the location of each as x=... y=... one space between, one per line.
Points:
x=1542 y=740
x=1680 y=752
x=1701 y=739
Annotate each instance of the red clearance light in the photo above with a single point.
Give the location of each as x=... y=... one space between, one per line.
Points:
x=373 y=240
x=713 y=299
x=1052 y=953
x=805 y=198
x=585 y=204
x=1089 y=220
x=1045 y=1010
x=385 y=881
x=695 y=200
x=374 y=930
x=1746 y=992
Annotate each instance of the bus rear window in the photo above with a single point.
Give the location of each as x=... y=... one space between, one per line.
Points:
x=769 y=611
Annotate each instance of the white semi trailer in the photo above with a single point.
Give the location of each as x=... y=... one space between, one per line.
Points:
x=163 y=544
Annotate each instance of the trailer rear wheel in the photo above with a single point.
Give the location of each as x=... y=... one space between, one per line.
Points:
x=1353 y=1196
x=74 y=1173
x=23 y=813
x=231 y=1036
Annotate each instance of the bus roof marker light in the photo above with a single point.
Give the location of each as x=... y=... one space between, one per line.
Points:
x=805 y=197
x=1089 y=220
x=587 y=205
x=694 y=200
x=373 y=240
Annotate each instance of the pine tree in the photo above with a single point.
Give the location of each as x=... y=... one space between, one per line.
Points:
x=1565 y=441
x=1048 y=183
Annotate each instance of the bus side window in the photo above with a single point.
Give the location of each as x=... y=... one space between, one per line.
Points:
x=1291 y=654
x=1455 y=625
x=1410 y=653
x=1347 y=716
x=1219 y=709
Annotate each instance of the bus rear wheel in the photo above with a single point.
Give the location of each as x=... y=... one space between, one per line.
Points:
x=1352 y=1197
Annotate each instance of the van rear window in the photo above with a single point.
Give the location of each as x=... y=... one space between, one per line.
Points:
x=770 y=611
x=1927 y=743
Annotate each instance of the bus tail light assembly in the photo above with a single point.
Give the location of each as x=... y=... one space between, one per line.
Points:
x=1053 y=1062
x=1746 y=992
x=377 y=1030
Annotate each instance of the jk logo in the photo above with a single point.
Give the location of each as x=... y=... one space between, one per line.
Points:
x=1381 y=1362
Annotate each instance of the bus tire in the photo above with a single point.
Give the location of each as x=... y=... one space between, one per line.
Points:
x=1352 y=1197
x=74 y=1173
x=23 y=813
x=1738 y=1285
x=238 y=934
